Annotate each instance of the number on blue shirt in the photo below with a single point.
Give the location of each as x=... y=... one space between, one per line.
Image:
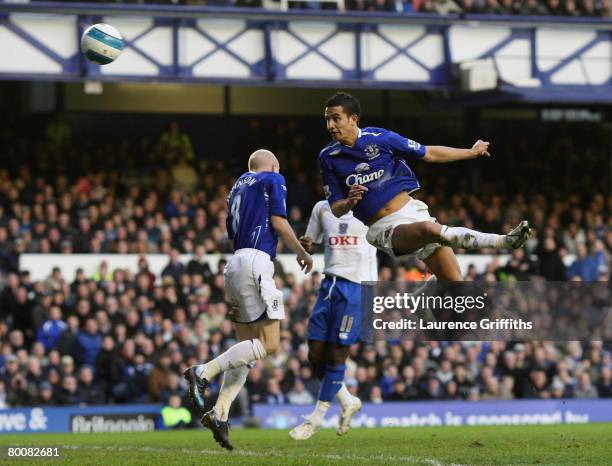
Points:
x=235 y=211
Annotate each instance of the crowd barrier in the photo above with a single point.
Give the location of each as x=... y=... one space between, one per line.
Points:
x=449 y=413
x=144 y=418
x=41 y=265
x=91 y=419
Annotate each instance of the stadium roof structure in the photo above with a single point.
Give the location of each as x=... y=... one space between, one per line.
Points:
x=473 y=58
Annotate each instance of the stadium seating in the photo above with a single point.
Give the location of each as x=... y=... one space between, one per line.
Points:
x=118 y=337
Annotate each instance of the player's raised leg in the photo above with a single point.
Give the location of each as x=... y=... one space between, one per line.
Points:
x=408 y=238
x=237 y=356
x=244 y=352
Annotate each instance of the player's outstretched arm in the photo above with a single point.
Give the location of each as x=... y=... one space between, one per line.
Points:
x=343 y=206
x=285 y=232
x=442 y=154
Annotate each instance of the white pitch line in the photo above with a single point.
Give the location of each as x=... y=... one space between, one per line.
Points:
x=328 y=456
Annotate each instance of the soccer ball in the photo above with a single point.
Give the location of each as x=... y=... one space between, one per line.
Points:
x=101 y=43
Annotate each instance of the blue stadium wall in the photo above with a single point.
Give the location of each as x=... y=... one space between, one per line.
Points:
x=536 y=59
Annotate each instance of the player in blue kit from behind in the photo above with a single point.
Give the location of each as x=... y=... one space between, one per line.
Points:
x=365 y=170
x=257 y=218
x=335 y=322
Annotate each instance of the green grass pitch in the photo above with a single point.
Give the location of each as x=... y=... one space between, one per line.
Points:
x=541 y=445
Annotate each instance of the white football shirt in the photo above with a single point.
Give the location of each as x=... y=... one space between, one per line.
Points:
x=347 y=253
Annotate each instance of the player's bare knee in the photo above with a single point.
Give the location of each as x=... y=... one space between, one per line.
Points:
x=429 y=231
x=270 y=345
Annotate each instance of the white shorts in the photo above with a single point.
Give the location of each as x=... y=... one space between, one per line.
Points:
x=380 y=233
x=250 y=287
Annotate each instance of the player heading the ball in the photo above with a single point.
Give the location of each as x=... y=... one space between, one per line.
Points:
x=365 y=170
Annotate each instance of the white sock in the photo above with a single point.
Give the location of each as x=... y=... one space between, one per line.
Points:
x=238 y=355
x=344 y=396
x=233 y=380
x=320 y=411
x=460 y=237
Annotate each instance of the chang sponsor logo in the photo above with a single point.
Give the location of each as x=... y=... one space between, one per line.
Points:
x=357 y=178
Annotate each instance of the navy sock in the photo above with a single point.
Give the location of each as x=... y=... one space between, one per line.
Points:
x=332 y=381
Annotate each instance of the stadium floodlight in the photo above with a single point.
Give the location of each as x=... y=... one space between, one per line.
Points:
x=478 y=75
x=93 y=87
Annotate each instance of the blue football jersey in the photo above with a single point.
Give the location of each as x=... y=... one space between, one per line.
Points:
x=376 y=161
x=252 y=201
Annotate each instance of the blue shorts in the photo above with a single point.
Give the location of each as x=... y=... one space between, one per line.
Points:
x=336 y=316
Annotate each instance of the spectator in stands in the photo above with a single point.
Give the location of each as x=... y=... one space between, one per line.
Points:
x=445 y=7
x=434 y=389
x=585 y=388
x=551 y=264
x=588 y=8
x=554 y=7
x=510 y=7
x=159 y=377
x=469 y=7
x=604 y=387
x=274 y=395
x=491 y=389
x=175 y=416
x=174 y=268
x=20 y=309
x=46 y=395
x=536 y=385
x=67 y=343
x=89 y=392
x=184 y=175
x=585 y=267
x=89 y=342
x=532 y=8
x=570 y=8
x=68 y=395
x=176 y=143
x=298 y=395
x=492 y=7
x=50 y=332
x=108 y=366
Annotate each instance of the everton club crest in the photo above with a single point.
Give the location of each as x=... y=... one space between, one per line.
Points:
x=371 y=151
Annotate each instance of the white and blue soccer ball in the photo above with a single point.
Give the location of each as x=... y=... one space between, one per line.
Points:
x=101 y=43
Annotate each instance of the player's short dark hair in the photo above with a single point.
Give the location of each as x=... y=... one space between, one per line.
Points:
x=349 y=103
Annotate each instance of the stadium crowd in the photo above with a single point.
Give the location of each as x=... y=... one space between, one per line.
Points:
x=123 y=336
x=567 y=8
